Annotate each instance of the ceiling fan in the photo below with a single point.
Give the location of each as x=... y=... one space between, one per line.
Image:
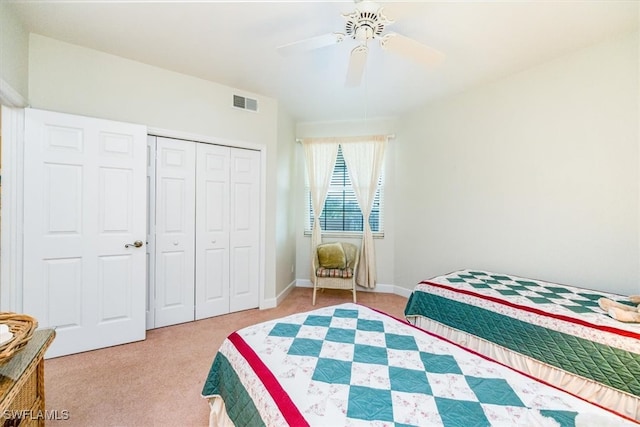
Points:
x=367 y=22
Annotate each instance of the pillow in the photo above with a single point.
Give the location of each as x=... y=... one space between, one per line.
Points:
x=350 y=251
x=331 y=255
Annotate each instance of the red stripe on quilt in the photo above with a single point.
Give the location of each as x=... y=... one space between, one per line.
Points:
x=288 y=409
x=537 y=311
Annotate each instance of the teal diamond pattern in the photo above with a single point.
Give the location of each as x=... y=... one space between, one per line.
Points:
x=340 y=312
x=401 y=342
x=579 y=308
x=440 y=363
x=370 y=404
x=318 y=321
x=461 y=413
x=564 y=418
x=284 y=330
x=305 y=347
x=493 y=390
x=370 y=354
x=341 y=335
x=409 y=380
x=332 y=371
x=370 y=325
x=544 y=293
x=508 y=292
x=480 y=285
x=540 y=300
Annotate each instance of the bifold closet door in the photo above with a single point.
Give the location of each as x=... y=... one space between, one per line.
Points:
x=212 y=230
x=227 y=230
x=244 y=233
x=175 y=241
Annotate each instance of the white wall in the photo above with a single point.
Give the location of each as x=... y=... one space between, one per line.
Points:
x=14 y=51
x=535 y=175
x=285 y=202
x=78 y=80
x=384 y=246
x=72 y=79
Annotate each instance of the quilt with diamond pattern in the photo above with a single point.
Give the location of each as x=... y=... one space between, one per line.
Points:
x=348 y=365
x=559 y=325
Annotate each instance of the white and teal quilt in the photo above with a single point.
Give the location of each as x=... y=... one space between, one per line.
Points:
x=560 y=326
x=348 y=365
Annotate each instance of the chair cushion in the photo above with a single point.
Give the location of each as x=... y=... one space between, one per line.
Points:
x=331 y=255
x=346 y=273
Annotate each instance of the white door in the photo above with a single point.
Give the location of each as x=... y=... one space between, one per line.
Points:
x=84 y=186
x=151 y=231
x=175 y=240
x=244 y=237
x=212 y=230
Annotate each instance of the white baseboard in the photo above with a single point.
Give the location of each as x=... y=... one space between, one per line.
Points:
x=268 y=303
x=282 y=295
x=274 y=302
x=403 y=292
x=380 y=287
x=303 y=283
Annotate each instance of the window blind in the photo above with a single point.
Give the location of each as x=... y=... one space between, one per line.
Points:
x=341 y=212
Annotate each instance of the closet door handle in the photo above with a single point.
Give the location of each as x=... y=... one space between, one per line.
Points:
x=137 y=244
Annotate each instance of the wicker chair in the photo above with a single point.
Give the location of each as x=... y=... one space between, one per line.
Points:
x=331 y=275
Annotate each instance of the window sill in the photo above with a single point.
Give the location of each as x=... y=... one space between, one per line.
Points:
x=344 y=234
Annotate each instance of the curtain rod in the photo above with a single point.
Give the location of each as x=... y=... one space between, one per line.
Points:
x=389 y=136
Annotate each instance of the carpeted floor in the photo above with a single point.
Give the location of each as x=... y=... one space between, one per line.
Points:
x=157 y=382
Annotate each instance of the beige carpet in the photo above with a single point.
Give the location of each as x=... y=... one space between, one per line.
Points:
x=157 y=382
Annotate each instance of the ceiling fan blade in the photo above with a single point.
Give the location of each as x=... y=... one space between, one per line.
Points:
x=310 y=44
x=356 y=65
x=412 y=49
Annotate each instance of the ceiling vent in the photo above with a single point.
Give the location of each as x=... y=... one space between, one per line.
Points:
x=245 y=103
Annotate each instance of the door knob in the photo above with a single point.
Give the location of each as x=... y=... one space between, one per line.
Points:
x=137 y=244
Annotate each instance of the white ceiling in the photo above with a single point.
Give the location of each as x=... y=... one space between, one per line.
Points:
x=234 y=43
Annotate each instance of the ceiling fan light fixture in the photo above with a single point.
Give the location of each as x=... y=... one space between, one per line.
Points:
x=363 y=33
x=365 y=25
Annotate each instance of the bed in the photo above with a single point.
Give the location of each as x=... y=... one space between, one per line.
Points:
x=349 y=365
x=554 y=332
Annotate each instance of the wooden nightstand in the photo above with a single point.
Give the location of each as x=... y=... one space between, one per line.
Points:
x=22 y=383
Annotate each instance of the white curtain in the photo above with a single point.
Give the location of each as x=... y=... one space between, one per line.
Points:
x=364 y=157
x=320 y=155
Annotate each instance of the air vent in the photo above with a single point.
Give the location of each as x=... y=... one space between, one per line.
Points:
x=245 y=103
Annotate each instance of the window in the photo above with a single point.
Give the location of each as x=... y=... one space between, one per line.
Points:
x=341 y=213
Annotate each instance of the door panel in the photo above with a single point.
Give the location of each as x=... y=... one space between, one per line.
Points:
x=63 y=283
x=175 y=241
x=244 y=235
x=114 y=287
x=212 y=230
x=115 y=204
x=84 y=199
x=215 y=266
x=151 y=232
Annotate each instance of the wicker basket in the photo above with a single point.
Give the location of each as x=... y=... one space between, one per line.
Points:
x=22 y=327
